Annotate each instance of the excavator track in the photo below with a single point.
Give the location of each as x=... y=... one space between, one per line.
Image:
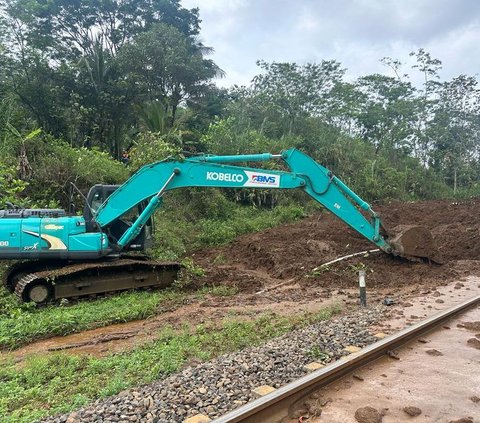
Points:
x=75 y=280
x=16 y=271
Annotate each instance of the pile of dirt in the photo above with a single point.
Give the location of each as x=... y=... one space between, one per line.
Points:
x=455 y=226
x=291 y=252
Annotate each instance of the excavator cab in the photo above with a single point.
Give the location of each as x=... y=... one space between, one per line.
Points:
x=96 y=196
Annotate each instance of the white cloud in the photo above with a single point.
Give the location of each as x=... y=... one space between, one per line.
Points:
x=214 y=6
x=358 y=33
x=458 y=51
x=307 y=22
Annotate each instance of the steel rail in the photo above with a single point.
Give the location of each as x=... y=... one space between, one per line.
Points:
x=272 y=407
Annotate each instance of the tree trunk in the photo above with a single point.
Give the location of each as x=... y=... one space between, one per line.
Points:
x=455 y=181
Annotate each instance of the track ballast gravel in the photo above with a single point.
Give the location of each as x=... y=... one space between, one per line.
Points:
x=223 y=384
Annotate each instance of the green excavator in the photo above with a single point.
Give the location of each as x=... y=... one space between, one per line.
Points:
x=61 y=256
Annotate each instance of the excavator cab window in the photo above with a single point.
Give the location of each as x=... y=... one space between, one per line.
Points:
x=96 y=197
x=97 y=201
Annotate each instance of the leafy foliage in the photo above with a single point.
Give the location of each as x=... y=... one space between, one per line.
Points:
x=56 y=165
x=10 y=187
x=151 y=147
x=79 y=67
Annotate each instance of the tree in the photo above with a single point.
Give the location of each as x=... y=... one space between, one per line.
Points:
x=456 y=129
x=388 y=115
x=426 y=104
x=66 y=63
x=292 y=92
x=67 y=29
x=167 y=66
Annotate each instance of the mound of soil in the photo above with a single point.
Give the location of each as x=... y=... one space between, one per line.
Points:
x=291 y=252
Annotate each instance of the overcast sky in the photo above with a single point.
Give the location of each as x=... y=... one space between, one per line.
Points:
x=355 y=32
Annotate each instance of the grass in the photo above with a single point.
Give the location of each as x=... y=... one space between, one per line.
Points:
x=57 y=383
x=24 y=323
x=177 y=235
x=316 y=353
x=244 y=220
x=219 y=291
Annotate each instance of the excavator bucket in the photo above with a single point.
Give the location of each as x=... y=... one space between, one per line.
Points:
x=413 y=243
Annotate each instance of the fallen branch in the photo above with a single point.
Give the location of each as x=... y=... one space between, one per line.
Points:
x=346 y=257
x=274 y=286
x=94 y=341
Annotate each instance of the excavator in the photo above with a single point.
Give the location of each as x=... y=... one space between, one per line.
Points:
x=68 y=256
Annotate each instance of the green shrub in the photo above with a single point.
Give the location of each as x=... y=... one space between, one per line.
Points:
x=151 y=147
x=55 y=164
x=11 y=187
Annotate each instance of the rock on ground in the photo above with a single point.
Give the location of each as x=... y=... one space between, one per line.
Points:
x=412 y=411
x=368 y=415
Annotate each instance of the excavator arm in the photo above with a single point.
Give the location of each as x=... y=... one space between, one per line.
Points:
x=152 y=181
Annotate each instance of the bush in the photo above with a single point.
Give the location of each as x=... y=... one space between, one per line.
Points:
x=55 y=164
x=11 y=187
x=151 y=147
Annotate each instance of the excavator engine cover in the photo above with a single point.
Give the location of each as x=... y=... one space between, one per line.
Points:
x=413 y=242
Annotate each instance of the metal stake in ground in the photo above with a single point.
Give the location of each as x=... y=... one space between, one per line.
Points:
x=363 y=289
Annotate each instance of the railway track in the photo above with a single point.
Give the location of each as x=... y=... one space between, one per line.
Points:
x=274 y=407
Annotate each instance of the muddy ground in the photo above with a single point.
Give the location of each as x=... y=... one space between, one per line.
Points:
x=407 y=387
x=272 y=270
x=254 y=261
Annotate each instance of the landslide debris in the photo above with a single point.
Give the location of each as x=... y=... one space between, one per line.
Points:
x=292 y=251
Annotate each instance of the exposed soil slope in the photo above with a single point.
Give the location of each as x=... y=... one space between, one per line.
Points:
x=292 y=251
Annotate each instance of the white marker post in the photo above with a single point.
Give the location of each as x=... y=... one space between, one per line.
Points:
x=363 y=289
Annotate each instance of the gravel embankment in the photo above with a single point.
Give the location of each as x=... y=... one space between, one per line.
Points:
x=218 y=386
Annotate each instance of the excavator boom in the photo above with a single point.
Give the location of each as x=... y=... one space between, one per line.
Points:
x=152 y=181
